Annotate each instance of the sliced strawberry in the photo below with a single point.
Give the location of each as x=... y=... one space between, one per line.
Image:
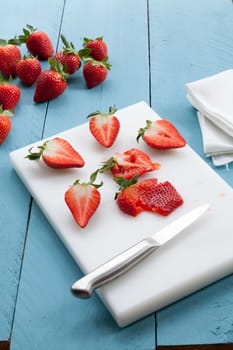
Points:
x=83 y=200
x=104 y=126
x=57 y=153
x=162 y=198
x=128 y=164
x=147 y=195
x=161 y=134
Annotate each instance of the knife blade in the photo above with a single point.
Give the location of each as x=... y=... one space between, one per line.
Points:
x=124 y=261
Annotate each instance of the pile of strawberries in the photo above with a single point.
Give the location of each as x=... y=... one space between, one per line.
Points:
x=51 y=82
x=126 y=167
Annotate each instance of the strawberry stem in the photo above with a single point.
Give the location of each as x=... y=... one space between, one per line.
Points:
x=141 y=131
x=111 y=111
x=26 y=33
x=36 y=155
x=103 y=63
x=8 y=112
x=123 y=183
x=90 y=182
x=58 y=67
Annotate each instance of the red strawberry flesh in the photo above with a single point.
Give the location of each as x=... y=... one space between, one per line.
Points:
x=105 y=129
x=149 y=195
x=161 y=134
x=82 y=200
x=60 y=154
x=132 y=162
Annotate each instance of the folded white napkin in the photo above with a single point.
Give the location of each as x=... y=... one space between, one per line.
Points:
x=213 y=99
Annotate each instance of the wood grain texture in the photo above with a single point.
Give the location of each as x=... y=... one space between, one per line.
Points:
x=189 y=42
x=45 y=307
x=197 y=347
x=27 y=126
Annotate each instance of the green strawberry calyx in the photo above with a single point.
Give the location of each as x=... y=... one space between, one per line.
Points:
x=70 y=48
x=87 y=40
x=36 y=154
x=58 y=67
x=103 y=63
x=90 y=182
x=141 y=131
x=7 y=112
x=123 y=183
x=111 y=111
x=13 y=41
x=26 y=33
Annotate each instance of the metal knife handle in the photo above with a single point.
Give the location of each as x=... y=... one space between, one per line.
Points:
x=113 y=268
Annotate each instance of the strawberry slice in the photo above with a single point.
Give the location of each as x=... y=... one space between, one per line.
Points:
x=162 y=198
x=104 y=126
x=147 y=195
x=128 y=164
x=161 y=134
x=57 y=153
x=83 y=200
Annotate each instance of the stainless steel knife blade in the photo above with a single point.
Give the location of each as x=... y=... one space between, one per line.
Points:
x=124 y=261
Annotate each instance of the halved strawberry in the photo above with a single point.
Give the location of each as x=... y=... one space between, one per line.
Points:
x=83 y=200
x=57 y=153
x=104 y=126
x=147 y=195
x=128 y=164
x=161 y=134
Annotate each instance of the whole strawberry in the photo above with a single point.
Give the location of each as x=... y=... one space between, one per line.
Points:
x=51 y=83
x=5 y=124
x=99 y=50
x=38 y=42
x=95 y=72
x=9 y=94
x=69 y=57
x=9 y=56
x=28 y=69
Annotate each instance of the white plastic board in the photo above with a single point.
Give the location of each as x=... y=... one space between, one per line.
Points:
x=200 y=255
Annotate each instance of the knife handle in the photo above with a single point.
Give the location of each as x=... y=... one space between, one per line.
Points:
x=113 y=268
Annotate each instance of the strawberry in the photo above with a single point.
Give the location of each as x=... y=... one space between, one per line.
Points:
x=83 y=200
x=99 y=50
x=9 y=94
x=161 y=134
x=5 y=124
x=95 y=72
x=57 y=153
x=38 y=43
x=69 y=57
x=9 y=56
x=51 y=83
x=147 y=195
x=104 y=126
x=28 y=69
x=128 y=164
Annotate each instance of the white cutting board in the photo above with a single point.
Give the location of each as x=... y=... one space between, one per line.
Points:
x=200 y=255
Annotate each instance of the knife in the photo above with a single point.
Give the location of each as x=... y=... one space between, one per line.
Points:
x=124 y=261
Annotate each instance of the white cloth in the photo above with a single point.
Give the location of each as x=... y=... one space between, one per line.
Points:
x=213 y=99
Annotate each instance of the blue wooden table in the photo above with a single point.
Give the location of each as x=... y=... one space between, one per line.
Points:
x=155 y=47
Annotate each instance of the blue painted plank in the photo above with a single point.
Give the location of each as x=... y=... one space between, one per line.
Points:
x=27 y=126
x=46 y=311
x=188 y=41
